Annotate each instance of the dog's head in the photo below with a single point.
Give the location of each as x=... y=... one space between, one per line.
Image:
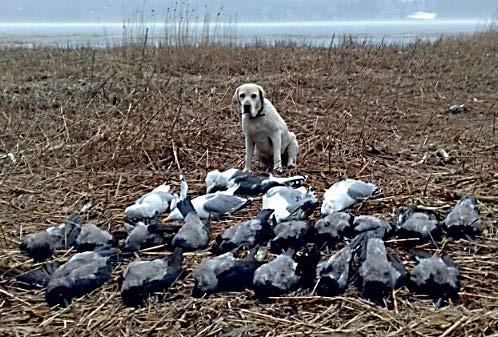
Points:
x=251 y=99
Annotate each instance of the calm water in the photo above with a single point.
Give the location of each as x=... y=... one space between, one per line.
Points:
x=318 y=32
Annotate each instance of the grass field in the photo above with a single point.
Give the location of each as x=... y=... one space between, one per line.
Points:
x=98 y=128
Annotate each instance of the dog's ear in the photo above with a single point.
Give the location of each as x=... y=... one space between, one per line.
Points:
x=235 y=97
x=262 y=95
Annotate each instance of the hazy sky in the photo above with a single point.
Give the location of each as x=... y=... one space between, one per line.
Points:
x=254 y=10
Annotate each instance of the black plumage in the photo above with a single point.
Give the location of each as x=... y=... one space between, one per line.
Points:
x=81 y=274
x=437 y=277
x=247 y=234
x=142 y=235
x=36 y=278
x=368 y=223
x=332 y=228
x=463 y=221
x=413 y=222
x=41 y=245
x=290 y=235
x=143 y=278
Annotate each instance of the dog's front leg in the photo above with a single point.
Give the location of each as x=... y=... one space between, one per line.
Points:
x=276 y=140
x=249 y=153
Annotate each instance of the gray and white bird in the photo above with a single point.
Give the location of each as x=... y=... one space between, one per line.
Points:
x=214 y=205
x=437 y=277
x=379 y=273
x=289 y=203
x=141 y=235
x=285 y=274
x=143 y=278
x=249 y=183
x=332 y=228
x=290 y=235
x=247 y=234
x=414 y=222
x=333 y=274
x=152 y=204
x=225 y=273
x=373 y=224
x=81 y=274
x=92 y=237
x=463 y=221
x=194 y=234
x=346 y=193
x=41 y=245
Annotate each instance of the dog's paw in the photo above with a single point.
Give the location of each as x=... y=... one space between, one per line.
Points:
x=278 y=170
x=291 y=166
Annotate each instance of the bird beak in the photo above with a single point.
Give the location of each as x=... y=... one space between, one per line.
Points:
x=209 y=189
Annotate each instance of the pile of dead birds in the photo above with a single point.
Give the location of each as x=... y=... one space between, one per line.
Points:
x=242 y=252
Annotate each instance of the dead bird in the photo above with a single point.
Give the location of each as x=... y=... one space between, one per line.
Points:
x=333 y=274
x=290 y=235
x=463 y=221
x=247 y=234
x=369 y=223
x=81 y=274
x=414 y=222
x=36 y=278
x=41 y=245
x=379 y=273
x=284 y=274
x=142 y=235
x=143 y=278
x=194 y=234
x=332 y=228
x=346 y=193
x=437 y=277
x=152 y=204
x=248 y=183
x=289 y=203
x=225 y=273
x=92 y=237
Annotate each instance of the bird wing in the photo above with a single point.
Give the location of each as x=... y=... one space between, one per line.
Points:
x=360 y=190
x=223 y=204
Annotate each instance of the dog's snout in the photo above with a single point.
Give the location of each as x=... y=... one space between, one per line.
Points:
x=247 y=108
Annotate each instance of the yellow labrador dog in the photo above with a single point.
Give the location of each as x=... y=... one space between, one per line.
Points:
x=266 y=135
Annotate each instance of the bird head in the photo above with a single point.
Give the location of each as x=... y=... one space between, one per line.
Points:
x=215 y=180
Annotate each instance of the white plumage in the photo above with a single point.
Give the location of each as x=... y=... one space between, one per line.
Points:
x=345 y=193
x=289 y=203
x=151 y=204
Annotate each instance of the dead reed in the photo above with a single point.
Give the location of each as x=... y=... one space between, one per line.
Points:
x=96 y=128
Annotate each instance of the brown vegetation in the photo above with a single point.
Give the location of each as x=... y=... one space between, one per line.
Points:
x=98 y=127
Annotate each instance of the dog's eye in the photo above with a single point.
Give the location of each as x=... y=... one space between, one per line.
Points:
x=254 y=96
x=242 y=95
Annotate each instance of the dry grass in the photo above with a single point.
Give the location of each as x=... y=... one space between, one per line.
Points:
x=99 y=126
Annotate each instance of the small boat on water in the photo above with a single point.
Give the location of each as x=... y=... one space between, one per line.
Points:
x=422 y=16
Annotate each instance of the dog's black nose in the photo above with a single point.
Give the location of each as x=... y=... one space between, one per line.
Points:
x=247 y=108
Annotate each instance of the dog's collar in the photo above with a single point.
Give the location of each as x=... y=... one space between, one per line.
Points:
x=259 y=114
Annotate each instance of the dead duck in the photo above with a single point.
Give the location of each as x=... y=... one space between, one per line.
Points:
x=143 y=278
x=333 y=228
x=41 y=245
x=194 y=234
x=249 y=183
x=437 y=277
x=225 y=273
x=379 y=273
x=463 y=221
x=247 y=234
x=81 y=274
x=414 y=222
